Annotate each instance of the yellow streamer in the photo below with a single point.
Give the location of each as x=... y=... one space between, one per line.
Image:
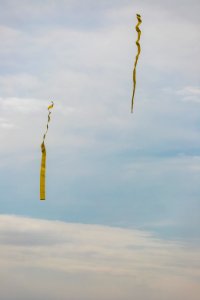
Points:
x=43 y=161
x=136 y=59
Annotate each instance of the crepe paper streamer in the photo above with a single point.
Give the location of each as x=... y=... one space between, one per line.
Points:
x=43 y=161
x=136 y=58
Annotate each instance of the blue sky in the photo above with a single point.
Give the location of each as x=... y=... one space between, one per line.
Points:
x=105 y=166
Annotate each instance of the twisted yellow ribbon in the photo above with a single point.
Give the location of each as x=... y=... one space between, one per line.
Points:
x=136 y=58
x=43 y=161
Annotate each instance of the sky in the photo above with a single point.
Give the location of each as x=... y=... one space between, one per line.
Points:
x=122 y=207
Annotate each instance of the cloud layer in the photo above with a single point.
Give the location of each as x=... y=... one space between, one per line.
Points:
x=42 y=259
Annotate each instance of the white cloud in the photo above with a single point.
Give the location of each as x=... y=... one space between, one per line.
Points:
x=64 y=257
x=14 y=84
x=5 y=124
x=189 y=93
x=189 y=90
x=162 y=165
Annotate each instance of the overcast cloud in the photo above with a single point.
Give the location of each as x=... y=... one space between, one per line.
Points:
x=61 y=260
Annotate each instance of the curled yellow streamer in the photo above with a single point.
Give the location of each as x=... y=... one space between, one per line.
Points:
x=136 y=58
x=43 y=161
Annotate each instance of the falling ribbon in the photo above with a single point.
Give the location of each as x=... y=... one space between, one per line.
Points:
x=43 y=161
x=136 y=58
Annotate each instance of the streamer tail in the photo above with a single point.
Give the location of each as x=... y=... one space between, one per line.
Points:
x=43 y=160
x=136 y=58
x=43 y=173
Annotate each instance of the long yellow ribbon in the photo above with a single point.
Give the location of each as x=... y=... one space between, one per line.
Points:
x=136 y=58
x=43 y=161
